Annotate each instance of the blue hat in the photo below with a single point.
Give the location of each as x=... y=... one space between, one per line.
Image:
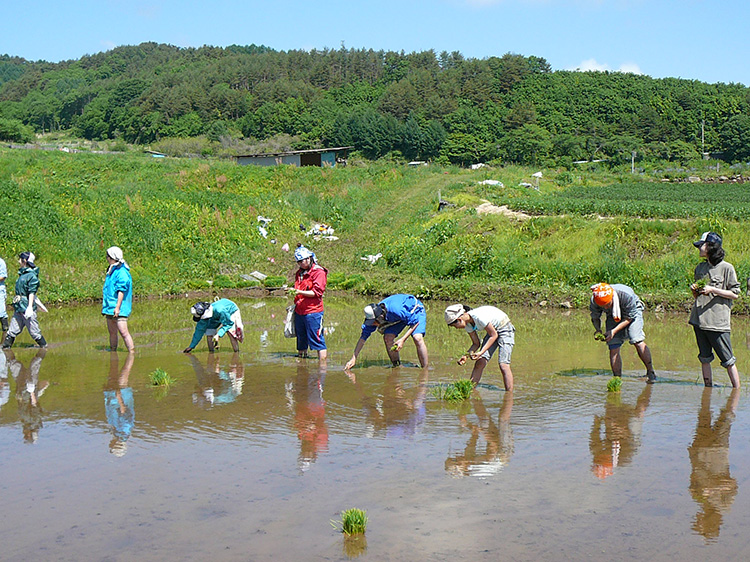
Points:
x=710 y=237
x=302 y=253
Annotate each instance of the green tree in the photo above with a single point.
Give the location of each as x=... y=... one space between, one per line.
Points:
x=14 y=130
x=529 y=144
x=735 y=138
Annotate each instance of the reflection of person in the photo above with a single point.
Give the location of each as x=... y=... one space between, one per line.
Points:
x=117 y=298
x=710 y=315
x=4 y=383
x=711 y=485
x=119 y=405
x=624 y=319
x=309 y=286
x=621 y=423
x=500 y=336
x=214 y=320
x=25 y=302
x=29 y=390
x=498 y=440
x=398 y=411
x=309 y=414
x=216 y=385
x=389 y=317
x=3 y=295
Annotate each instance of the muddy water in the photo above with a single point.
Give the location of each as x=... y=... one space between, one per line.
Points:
x=250 y=456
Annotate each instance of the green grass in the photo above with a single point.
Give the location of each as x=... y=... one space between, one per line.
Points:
x=454 y=392
x=353 y=522
x=199 y=217
x=642 y=199
x=159 y=377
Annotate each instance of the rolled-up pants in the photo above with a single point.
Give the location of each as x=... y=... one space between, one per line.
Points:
x=19 y=322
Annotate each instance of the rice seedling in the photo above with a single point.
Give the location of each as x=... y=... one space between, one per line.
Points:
x=600 y=337
x=274 y=281
x=160 y=377
x=701 y=283
x=353 y=522
x=614 y=384
x=456 y=391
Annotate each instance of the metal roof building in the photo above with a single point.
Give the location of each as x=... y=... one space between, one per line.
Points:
x=328 y=157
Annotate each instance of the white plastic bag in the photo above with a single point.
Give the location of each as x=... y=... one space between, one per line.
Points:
x=289 y=330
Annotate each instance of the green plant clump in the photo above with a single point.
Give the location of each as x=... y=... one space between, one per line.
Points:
x=600 y=337
x=456 y=391
x=160 y=377
x=614 y=384
x=353 y=521
x=274 y=281
x=701 y=283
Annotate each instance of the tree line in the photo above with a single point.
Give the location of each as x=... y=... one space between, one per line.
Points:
x=420 y=105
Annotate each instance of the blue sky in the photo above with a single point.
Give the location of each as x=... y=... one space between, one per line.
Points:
x=694 y=39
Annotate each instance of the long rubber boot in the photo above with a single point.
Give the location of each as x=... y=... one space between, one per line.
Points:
x=4 y=323
x=41 y=342
x=8 y=342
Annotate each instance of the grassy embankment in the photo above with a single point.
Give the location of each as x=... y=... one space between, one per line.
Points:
x=192 y=225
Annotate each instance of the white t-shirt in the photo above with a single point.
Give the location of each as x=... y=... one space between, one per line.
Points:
x=484 y=315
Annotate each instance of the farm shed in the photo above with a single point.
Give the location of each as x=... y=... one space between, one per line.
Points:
x=328 y=157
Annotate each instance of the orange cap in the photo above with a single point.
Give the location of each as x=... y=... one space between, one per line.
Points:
x=602 y=294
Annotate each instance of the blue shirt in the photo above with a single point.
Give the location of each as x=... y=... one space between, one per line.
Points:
x=399 y=308
x=221 y=320
x=118 y=280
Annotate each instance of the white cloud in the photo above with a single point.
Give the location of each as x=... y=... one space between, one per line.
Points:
x=594 y=65
x=630 y=67
x=591 y=64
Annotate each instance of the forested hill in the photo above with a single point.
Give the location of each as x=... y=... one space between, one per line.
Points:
x=424 y=105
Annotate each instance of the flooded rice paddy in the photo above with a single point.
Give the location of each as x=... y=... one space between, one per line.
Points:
x=250 y=456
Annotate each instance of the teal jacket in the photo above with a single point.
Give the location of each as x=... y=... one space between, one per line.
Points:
x=118 y=280
x=26 y=284
x=220 y=321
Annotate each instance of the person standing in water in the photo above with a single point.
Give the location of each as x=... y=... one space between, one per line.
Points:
x=309 y=285
x=25 y=303
x=710 y=315
x=499 y=336
x=624 y=319
x=214 y=320
x=117 y=299
x=3 y=295
x=389 y=317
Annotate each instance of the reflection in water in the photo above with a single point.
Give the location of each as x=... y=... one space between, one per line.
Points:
x=305 y=397
x=354 y=546
x=711 y=485
x=622 y=424
x=214 y=384
x=397 y=411
x=29 y=390
x=119 y=405
x=498 y=439
x=4 y=382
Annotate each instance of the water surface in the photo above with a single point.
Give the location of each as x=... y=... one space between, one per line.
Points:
x=250 y=456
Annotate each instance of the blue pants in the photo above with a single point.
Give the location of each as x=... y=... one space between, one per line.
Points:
x=310 y=331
